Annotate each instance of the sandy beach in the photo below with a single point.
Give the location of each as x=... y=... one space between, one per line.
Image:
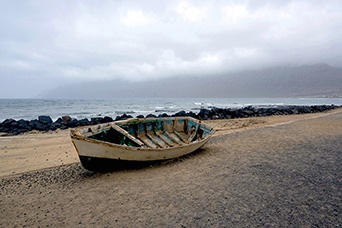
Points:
x=264 y=171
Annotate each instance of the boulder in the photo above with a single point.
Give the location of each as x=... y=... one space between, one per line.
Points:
x=23 y=123
x=84 y=122
x=214 y=117
x=52 y=127
x=163 y=115
x=57 y=124
x=63 y=127
x=151 y=116
x=192 y=114
x=73 y=123
x=248 y=113
x=96 y=120
x=228 y=117
x=125 y=117
x=66 y=118
x=204 y=114
x=217 y=111
x=107 y=119
x=7 y=122
x=181 y=113
x=45 y=119
x=14 y=124
x=39 y=126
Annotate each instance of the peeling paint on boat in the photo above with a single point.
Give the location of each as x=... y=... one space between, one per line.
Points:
x=148 y=139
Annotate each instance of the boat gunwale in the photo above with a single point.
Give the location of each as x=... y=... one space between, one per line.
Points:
x=136 y=120
x=82 y=138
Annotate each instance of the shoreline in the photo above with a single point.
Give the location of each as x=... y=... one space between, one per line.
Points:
x=35 y=151
x=44 y=123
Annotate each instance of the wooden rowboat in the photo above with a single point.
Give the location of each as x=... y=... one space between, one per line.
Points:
x=138 y=140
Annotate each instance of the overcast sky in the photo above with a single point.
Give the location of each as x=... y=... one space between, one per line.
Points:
x=46 y=43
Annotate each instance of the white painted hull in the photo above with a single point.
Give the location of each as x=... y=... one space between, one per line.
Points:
x=111 y=151
x=139 y=140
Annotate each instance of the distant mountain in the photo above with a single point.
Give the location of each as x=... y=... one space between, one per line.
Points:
x=302 y=81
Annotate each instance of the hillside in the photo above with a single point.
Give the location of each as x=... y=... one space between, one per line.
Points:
x=302 y=81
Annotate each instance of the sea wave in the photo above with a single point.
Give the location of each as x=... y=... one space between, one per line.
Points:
x=124 y=112
x=30 y=109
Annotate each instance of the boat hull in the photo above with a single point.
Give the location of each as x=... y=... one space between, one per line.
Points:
x=95 y=154
x=110 y=151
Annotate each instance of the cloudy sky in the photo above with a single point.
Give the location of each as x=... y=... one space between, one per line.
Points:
x=46 y=43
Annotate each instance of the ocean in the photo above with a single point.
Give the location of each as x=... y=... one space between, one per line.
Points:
x=30 y=109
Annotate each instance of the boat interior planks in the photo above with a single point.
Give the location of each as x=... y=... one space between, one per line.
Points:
x=148 y=133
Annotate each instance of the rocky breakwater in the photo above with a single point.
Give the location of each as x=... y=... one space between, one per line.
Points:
x=250 y=111
x=45 y=123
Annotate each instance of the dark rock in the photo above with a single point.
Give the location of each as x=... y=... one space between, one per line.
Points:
x=36 y=125
x=84 y=122
x=73 y=123
x=16 y=132
x=221 y=116
x=181 y=113
x=66 y=119
x=39 y=126
x=45 y=119
x=107 y=119
x=14 y=124
x=227 y=116
x=217 y=111
x=63 y=127
x=57 y=124
x=23 y=123
x=33 y=122
x=204 y=114
x=140 y=117
x=123 y=117
x=163 y=115
x=192 y=114
x=248 y=113
x=214 y=117
x=303 y=109
x=47 y=127
x=294 y=111
x=235 y=113
x=7 y=122
x=96 y=120
x=320 y=108
x=261 y=112
x=151 y=116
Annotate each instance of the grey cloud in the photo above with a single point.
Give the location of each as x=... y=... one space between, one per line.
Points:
x=47 y=43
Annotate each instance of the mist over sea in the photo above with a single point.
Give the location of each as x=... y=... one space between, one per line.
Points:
x=30 y=109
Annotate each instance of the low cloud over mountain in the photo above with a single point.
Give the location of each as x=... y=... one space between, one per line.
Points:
x=302 y=81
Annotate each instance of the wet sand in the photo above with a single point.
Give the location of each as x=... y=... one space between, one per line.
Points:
x=272 y=171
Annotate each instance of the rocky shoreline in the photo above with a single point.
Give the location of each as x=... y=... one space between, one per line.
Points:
x=45 y=123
